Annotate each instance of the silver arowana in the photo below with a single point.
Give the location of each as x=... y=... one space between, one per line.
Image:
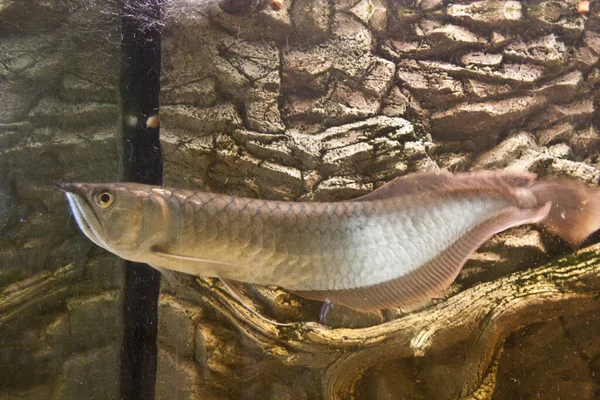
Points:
x=403 y=243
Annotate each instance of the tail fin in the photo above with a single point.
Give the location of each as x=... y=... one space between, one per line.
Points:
x=575 y=211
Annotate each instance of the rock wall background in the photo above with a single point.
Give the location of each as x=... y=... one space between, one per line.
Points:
x=60 y=306
x=320 y=100
x=326 y=100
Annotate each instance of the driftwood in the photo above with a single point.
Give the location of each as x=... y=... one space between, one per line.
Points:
x=483 y=316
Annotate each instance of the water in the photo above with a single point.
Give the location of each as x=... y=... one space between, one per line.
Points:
x=311 y=101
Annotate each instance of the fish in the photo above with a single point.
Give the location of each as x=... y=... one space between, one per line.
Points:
x=403 y=243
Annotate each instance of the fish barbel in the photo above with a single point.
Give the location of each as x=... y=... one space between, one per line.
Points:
x=401 y=244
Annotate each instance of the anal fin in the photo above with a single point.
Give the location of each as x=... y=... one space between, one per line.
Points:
x=434 y=277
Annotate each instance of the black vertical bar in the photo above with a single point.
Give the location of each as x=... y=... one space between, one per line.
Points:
x=142 y=163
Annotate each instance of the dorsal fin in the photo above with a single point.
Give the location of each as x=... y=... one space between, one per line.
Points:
x=436 y=181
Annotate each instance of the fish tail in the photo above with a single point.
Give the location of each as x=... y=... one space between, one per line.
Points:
x=575 y=209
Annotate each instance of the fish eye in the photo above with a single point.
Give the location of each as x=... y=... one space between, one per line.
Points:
x=104 y=199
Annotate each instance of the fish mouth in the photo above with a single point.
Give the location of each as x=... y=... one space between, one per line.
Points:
x=85 y=216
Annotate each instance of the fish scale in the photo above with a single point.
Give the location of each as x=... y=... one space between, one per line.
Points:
x=403 y=243
x=333 y=247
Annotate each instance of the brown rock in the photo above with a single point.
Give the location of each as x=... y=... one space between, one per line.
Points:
x=516 y=149
x=436 y=38
x=312 y=19
x=555 y=133
x=395 y=128
x=372 y=13
x=262 y=111
x=91 y=374
x=496 y=258
x=192 y=92
x=585 y=142
x=499 y=40
x=388 y=165
x=177 y=377
x=546 y=50
x=577 y=111
x=395 y=104
x=379 y=78
x=248 y=176
x=563 y=88
x=511 y=73
x=177 y=326
x=310 y=69
x=305 y=148
x=267 y=23
x=245 y=71
x=487 y=12
x=587 y=56
x=94 y=321
x=73 y=115
x=359 y=80
x=221 y=118
x=429 y=5
x=343 y=104
x=267 y=146
x=491 y=117
x=481 y=90
x=402 y=17
x=344 y=160
x=453 y=162
x=449 y=35
x=187 y=157
x=481 y=59
x=341 y=188
x=350 y=46
x=348 y=149
x=77 y=89
x=574 y=169
x=398 y=50
x=433 y=90
x=557 y=15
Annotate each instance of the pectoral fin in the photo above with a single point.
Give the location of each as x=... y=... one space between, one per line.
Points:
x=169 y=275
x=434 y=277
x=178 y=257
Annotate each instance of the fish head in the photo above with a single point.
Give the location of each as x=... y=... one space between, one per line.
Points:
x=110 y=215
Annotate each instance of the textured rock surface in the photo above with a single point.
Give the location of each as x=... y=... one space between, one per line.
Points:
x=60 y=302
x=319 y=101
x=365 y=91
x=360 y=104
